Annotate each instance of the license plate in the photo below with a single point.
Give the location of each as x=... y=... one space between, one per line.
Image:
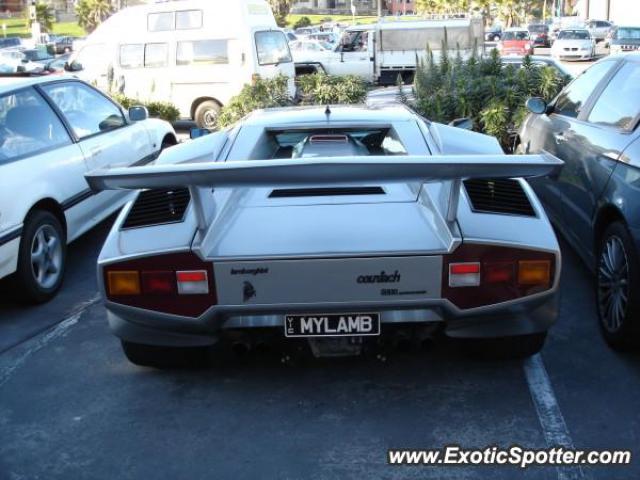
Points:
x=332 y=325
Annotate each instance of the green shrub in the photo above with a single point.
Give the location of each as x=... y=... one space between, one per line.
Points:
x=322 y=89
x=302 y=22
x=316 y=89
x=263 y=93
x=164 y=110
x=484 y=89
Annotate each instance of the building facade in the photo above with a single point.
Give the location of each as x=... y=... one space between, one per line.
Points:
x=401 y=7
x=336 y=7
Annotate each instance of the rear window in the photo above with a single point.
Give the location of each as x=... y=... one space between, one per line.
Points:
x=334 y=142
x=272 y=48
x=521 y=35
x=630 y=33
x=538 y=28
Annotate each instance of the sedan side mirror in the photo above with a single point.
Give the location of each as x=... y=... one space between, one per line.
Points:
x=465 y=123
x=72 y=66
x=536 y=105
x=138 y=113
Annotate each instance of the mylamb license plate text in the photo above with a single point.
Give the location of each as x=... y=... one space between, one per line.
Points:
x=332 y=325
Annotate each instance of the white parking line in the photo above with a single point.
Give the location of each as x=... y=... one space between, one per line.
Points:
x=551 y=420
x=14 y=358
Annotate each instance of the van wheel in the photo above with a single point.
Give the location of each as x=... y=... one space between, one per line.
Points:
x=617 y=283
x=165 y=357
x=503 y=348
x=41 y=257
x=206 y=114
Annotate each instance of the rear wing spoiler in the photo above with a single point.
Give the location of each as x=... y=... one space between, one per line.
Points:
x=324 y=171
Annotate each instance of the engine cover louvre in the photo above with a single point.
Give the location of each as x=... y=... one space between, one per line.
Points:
x=157 y=207
x=504 y=196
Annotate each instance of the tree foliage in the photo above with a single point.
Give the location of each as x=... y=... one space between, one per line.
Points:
x=92 y=13
x=280 y=10
x=490 y=93
x=44 y=16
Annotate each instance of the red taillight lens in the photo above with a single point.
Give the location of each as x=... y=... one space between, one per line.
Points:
x=177 y=283
x=476 y=275
x=158 y=282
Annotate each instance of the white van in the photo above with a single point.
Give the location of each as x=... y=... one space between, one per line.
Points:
x=196 y=54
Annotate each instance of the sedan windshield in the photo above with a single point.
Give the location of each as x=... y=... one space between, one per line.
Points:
x=573 y=35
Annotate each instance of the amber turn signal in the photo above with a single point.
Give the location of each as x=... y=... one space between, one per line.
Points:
x=534 y=272
x=123 y=282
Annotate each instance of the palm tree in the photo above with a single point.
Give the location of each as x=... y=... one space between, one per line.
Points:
x=44 y=16
x=92 y=13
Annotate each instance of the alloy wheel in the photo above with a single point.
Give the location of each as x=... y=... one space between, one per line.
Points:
x=46 y=256
x=613 y=284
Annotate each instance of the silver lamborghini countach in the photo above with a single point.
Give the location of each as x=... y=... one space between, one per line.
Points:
x=336 y=230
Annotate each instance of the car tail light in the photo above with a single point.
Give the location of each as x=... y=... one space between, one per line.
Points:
x=464 y=274
x=176 y=283
x=124 y=282
x=476 y=275
x=192 y=282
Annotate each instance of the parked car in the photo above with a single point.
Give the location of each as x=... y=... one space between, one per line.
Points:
x=309 y=50
x=11 y=42
x=37 y=55
x=13 y=61
x=53 y=131
x=325 y=37
x=624 y=39
x=57 y=64
x=304 y=31
x=493 y=34
x=515 y=41
x=599 y=29
x=593 y=127
x=574 y=44
x=63 y=44
x=539 y=33
x=281 y=255
x=540 y=61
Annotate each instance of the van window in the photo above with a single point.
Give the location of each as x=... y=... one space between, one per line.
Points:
x=160 y=22
x=156 y=54
x=132 y=56
x=188 y=19
x=272 y=48
x=19 y=134
x=202 y=52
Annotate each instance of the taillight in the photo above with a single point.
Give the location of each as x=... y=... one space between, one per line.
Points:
x=177 y=283
x=477 y=275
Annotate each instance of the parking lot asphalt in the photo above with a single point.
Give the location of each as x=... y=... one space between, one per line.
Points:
x=71 y=406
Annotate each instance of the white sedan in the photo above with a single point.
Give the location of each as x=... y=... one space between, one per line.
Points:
x=52 y=131
x=574 y=44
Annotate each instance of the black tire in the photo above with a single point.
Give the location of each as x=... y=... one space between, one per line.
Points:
x=503 y=348
x=32 y=287
x=206 y=114
x=165 y=357
x=617 y=283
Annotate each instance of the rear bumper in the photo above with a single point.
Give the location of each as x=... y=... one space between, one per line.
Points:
x=518 y=318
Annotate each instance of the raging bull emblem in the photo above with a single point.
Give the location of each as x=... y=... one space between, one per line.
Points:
x=248 y=291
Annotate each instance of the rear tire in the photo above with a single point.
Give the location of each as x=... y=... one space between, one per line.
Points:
x=504 y=348
x=206 y=114
x=617 y=283
x=165 y=357
x=41 y=257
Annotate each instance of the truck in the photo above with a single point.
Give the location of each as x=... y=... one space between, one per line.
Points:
x=196 y=54
x=381 y=51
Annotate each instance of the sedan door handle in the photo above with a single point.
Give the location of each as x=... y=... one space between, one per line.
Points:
x=95 y=151
x=559 y=137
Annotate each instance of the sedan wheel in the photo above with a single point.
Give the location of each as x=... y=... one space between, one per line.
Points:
x=616 y=279
x=41 y=257
x=46 y=256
